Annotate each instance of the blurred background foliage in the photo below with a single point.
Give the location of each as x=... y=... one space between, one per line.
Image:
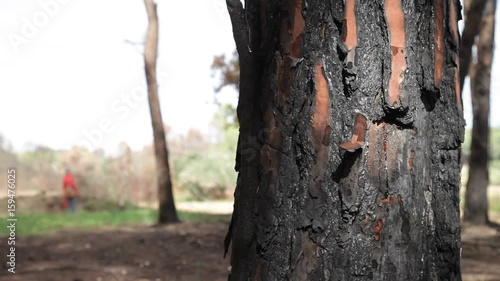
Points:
x=494 y=151
x=202 y=169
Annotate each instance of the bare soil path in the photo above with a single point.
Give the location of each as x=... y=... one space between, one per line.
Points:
x=179 y=252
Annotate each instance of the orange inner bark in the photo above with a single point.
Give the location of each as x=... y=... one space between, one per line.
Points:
x=358 y=134
x=384 y=201
x=321 y=111
x=439 y=46
x=359 y=129
x=395 y=20
x=320 y=126
x=389 y=200
x=351 y=38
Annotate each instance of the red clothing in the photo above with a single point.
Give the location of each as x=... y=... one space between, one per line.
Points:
x=68 y=182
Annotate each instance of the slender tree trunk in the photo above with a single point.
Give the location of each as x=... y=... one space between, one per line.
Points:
x=474 y=10
x=167 y=211
x=476 y=201
x=349 y=149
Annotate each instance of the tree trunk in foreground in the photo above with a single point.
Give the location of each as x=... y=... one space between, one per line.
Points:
x=167 y=212
x=476 y=200
x=349 y=148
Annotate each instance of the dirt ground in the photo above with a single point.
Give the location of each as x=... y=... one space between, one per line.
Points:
x=481 y=252
x=179 y=252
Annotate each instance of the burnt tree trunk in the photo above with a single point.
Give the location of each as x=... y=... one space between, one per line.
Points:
x=167 y=211
x=476 y=201
x=349 y=148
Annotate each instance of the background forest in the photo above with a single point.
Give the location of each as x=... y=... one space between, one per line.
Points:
x=202 y=170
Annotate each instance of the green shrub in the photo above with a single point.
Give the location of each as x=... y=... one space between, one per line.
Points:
x=206 y=176
x=494 y=150
x=494 y=143
x=494 y=170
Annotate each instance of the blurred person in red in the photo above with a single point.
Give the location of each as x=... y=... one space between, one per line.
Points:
x=70 y=192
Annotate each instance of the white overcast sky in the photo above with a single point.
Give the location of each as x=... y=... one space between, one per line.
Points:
x=77 y=69
x=74 y=70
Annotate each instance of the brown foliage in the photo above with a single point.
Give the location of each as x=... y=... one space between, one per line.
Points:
x=229 y=70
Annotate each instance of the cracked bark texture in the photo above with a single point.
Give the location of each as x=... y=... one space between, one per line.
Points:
x=349 y=150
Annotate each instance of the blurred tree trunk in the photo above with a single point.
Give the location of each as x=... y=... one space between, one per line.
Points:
x=167 y=211
x=473 y=14
x=476 y=199
x=350 y=141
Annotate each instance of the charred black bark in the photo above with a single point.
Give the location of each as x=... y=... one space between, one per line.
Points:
x=476 y=201
x=246 y=29
x=356 y=175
